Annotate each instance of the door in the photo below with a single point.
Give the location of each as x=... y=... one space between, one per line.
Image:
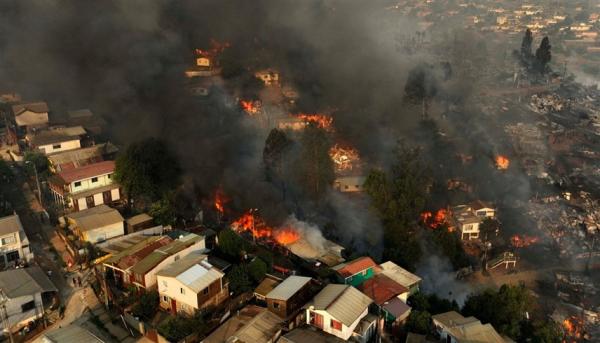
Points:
x=107 y=197
x=89 y=201
x=173 y=307
x=318 y=321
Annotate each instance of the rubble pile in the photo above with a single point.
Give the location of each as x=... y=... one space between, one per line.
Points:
x=546 y=103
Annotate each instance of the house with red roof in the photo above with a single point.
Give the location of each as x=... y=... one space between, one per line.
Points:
x=389 y=296
x=85 y=187
x=356 y=272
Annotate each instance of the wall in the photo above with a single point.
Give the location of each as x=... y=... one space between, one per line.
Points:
x=104 y=233
x=87 y=184
x=171 y=288
x=150 y=277
x=346 y=331
x=64 y=146
x=19 y=239
x=281 y=311
x=357 y=279
x=18 y=318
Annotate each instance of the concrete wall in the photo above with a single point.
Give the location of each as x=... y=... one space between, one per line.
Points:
x=87 y=184
x=104 y=233
x=62 y=146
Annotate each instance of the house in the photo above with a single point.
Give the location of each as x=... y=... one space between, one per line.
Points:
x=32 y=115
x=56 y=139
x=389 y=297
x=308 y=335
x=356 y=272
x=90 y=121
x=286 y=300
x=401 y=276
x=25 y=294
x=143 y=273
x=483 y=209
x=468 y=218
x=338 y=310
x=452 y=327
x=71 y=159
x=70 y=333
x=250 y=324
x=268 y=76
x=139 y=222
x=14 y=244
x=349 y=183
x=85 y=187
x=190 y=284
x=265 y=287
x=96 y=224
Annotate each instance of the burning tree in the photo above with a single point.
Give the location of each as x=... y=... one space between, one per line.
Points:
x=435 y=221
x=523 y=241
x=344 y=159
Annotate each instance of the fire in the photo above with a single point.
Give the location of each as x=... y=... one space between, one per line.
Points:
x=523 y=241
x=343 y=158
x=286 y=236
x=251 y=107
x=502 y=162
x=215 y=49
x=321 y=120
x=434 y=221
x=220 y=201
x=573 y=327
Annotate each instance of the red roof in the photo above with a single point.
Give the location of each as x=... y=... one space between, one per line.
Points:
x=381 y=288
x=134 y=258
x=86 y=172
x=356 y=266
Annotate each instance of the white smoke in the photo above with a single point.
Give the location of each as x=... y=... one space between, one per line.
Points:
x=309 y=232
x=440 y=278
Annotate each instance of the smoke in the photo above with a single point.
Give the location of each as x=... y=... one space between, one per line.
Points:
x=439 y=278
x=309 y=232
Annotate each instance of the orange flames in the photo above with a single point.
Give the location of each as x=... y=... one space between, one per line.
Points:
x=220 y=201
x=216 y=48
x=435 y=221
x=321 y=120
x=502 y=162
x=573 y=327
x=251 y=222
x=523 y=241
x=343 y=158
x=251 y=107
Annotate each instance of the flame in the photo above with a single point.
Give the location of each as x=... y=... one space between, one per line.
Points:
x=523 y=241
x=220 y=200
x=215 y=49
x=343 y=158
x=502 y=162
x=251 y=107
x=286 y=236
x=573 y=327
x=321 y=120
x=434 y=221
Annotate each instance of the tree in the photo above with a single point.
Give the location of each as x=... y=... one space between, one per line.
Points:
x=314 y=165
x=239 y=282
x=543 y=55
x=276 y=145
x=257 y=269
x=177 y=328
x=39 y=161
x=504 y=309
x=230 y=243
x=163 y=211
x=526 y=45
x=542 y=331
x=419 y=322
x=431 y=303
x=420 y=86
x=146 y=307
x=147 y=169
x=489 y=229
x=451 y=245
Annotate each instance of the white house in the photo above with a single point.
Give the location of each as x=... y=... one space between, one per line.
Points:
x=56 y=139
x=23 y=291
x=31 y=115
x=97 y=224
x=190 y=284
x=401 y=276
x=85 y=187
x=14 y=244
x=452 y=327
x=338 y=310
x=268 y=76
x=349 y=183
x=483 y=209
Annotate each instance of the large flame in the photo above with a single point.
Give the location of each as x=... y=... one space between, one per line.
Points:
x=220 y=200
x=502 y=162
x=436 y=220
x=286 y=236
x=573 y=327
x=321 y=120
x=252 y=223
x=343 y=158
x=250 y=107
x=523 y=241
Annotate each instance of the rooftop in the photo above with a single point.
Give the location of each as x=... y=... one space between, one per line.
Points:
x=80 y=157
x=344 y=303
x=233 y=324
x=468 y=329
x=263 y=328
x=55 y=135
x=399 y=274
x=86 y=172
x=396 y=307
x=37 y=107
x=95 y=217
x=25 y=281
x=69 y=333
x=139 y=219
x=354 y=267
x=288 y=287
x=10 y=224
x=266 y=285
x=193 y=271
x=309 y=335
x=381 y=288
x=160 y=254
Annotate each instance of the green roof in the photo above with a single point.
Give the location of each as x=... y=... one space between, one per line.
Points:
x=152 y=260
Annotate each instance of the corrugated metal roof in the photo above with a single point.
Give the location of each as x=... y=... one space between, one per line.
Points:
x=344 y=303
x=266 y=286
x=25 y=281
x=288 y=287
x=10 y=224
x=138 y=219
x=95 y=217
x=263 y=328
x=89 y=171
x=381 y=288
x=354 y=267
x=468 y=329
x=399 y=274
x=193 y=271
x=37 y=107
x=70 y=333
x=55 y=135
x=80 y=157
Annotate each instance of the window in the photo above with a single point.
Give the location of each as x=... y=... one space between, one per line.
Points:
x=28 y=306
x=77 y=184
x=336 y=325
x=8 y=240
x=12 y=256
x=109 y=176
x=165 y=299
x=205 y=291
x=56 y=146
x=276 y=305
x=182 y=291
x=94 y=179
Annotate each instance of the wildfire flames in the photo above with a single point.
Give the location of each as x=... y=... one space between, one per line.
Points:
x=434 y=221
x=523 y=241
x=321 y=120
x=252 y=223
x=216 y=48
x=343 y=158
x=250 y=107
x=502 y=162
x=573 y=327
x=220 y=201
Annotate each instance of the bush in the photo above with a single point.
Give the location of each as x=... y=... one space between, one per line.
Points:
x=177 y=328
x=146 y=307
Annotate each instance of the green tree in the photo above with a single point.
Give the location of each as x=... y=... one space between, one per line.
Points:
x=257 y=269
x=147 y=305
x=39 y=160
x=314 y=166
x=504 y=308
x=230 y=243
x=542 y=331
x=239 y=281
x=147 y=169
x=177 y=328
x=543 y=55
x=419 y=322
x=163 y=211
x=526 y=45
x=451 y=245
x=431 y=303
